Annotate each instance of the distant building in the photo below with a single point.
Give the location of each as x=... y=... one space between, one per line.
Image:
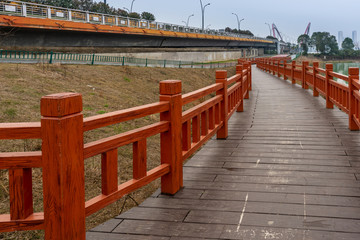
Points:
x=340 y=38
x=354 y=38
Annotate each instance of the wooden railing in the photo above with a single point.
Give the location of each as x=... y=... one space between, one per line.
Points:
x=63 y=151
x=321 y=81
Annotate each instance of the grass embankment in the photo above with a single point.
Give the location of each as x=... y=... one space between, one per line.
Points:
x=104 y=89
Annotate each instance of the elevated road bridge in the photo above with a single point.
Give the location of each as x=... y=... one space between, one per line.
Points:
x=28 y=24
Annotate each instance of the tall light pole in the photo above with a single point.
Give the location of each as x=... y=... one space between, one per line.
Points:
x=132 y=4
x=269 y=28
x=187 y=22
x=238 y=21
x=203 y=13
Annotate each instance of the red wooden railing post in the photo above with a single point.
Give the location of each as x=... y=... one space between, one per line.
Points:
x=273 y=66
x=221 y=77
x=285 y=77
x=239 y=70
x=170 y=141
x=293 y=66
x=250 y=77
x=269 y=66
x=315 y=72
x=278 y=68
x=329 y=68
x=306 y=64
x=63 y=166
x=353 y=76
x=303 y=74
x=246 y=66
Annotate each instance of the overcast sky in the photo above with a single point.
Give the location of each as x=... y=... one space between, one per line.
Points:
x=290 y=16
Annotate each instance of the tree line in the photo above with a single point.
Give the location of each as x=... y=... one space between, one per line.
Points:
x=245 y=32
x=91 y=6
x=326 y=44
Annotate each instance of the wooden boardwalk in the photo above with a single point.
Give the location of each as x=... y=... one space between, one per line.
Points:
x=290 y=169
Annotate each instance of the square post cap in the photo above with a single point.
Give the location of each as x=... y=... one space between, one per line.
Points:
x=61 y=104
x=221 y=74
x=170 y=87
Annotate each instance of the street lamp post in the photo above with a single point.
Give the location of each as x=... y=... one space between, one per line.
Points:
x=132 y=4
x=269 y=28
x=187 y=22
x=203 y=13
x=238 y=21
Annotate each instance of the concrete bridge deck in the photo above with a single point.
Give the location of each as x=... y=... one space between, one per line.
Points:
x=290 y=169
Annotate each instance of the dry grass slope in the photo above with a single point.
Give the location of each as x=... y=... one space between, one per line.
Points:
x=104 y=89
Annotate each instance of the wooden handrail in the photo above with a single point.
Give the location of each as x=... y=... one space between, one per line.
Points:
x=339 y=76
x=195 y=95
x=107 y=119
x=106 y=144
x=20 y=160
x=20 y=130
x=63 y=152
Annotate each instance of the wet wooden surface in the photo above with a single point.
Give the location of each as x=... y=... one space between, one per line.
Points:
x=290 y=169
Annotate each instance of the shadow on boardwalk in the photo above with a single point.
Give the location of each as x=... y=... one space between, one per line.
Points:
x=288 y=170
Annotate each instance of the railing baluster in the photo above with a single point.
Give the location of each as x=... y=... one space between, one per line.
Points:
x=20 y=191
x=109 y=172
x=186 y=135
x=212 y=118
x=139 y=159
x=196 y=131
x=217 y=114
x=204 y=123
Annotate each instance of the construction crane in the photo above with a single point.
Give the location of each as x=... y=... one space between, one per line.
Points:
x=276 y=30
x=307 y=30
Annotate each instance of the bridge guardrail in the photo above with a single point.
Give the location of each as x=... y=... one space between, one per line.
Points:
x=63 y=152
x=345 y=96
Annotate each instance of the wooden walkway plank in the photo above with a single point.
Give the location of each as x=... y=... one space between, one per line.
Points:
x=290 y=169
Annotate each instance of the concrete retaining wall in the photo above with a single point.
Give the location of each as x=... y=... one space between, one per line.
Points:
x=195 y=56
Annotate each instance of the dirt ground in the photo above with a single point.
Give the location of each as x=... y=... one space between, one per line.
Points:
x=104 y=89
